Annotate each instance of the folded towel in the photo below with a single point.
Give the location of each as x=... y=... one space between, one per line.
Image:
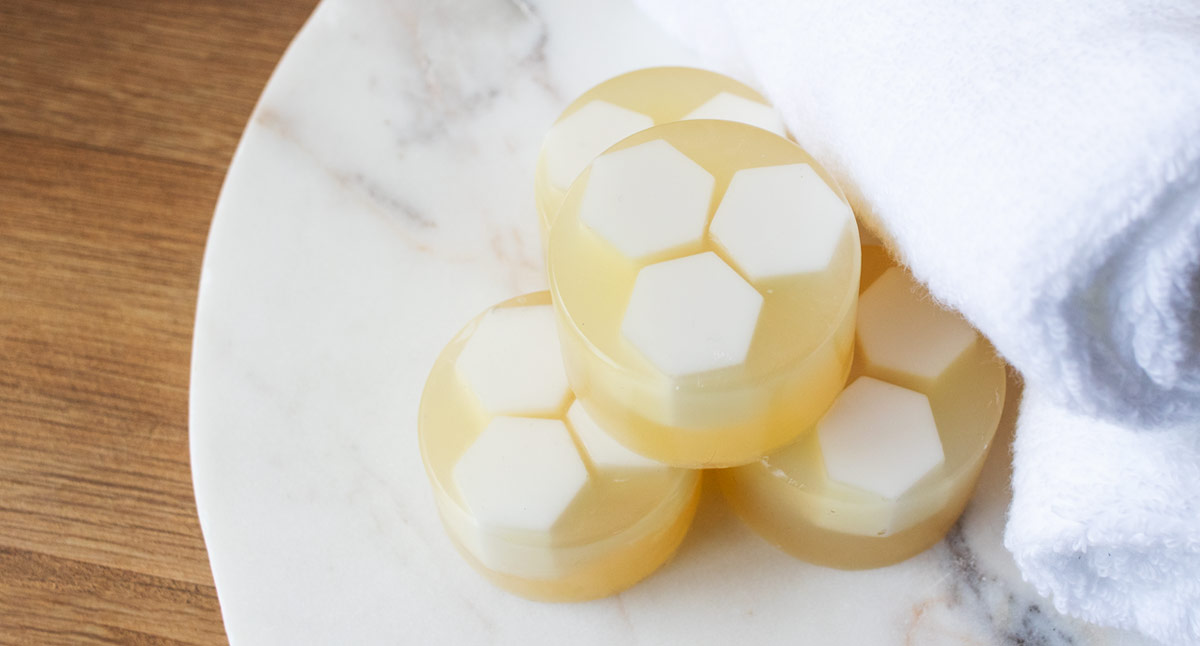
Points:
x=1037 y=164
x=1100 y=538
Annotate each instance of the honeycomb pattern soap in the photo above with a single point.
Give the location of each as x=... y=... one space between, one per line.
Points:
x=711 y=305
x=705 y=274
x=531 y=489
x=621 y=106
x=889 y=468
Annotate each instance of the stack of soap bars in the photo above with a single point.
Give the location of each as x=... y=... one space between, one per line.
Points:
x=710 y=307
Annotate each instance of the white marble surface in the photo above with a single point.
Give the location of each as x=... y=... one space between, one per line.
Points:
x=382 y=196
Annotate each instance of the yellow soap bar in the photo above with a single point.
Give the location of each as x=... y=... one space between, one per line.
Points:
x=623 y=105
x=532 y=491
x=705 y=274
x=889 y=468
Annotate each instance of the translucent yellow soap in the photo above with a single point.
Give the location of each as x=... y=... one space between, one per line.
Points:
x=887 y=471
x=705 y=274
x=533 y=492
x=625 y=104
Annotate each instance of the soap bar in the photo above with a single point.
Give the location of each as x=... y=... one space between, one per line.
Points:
x=705 y=275
x=892 y=464
x=623 y=105
x=531 y=489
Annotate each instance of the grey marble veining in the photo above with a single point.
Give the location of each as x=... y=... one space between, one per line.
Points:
x=381 y=197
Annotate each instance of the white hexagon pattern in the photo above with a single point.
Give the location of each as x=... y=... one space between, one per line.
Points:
x=879 y=437
x=691 y=315
x=779 y=220
x=647 y=199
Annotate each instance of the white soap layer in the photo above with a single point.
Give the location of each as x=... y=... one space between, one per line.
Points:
x=879 y=437
x=647 y=199
x=731 y=107
x=520 y=473
x=605 y=452
x=578 y=138
x=902 y=332
x=513 y=362
x=780 y=220
x=692 y=314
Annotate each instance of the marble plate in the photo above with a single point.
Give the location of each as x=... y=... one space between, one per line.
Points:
x=381 y=196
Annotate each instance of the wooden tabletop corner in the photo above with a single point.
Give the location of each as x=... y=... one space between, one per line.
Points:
x=118 y=120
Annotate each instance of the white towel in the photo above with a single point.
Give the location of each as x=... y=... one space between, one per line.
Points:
x=1091 y=530
x=1037 y=164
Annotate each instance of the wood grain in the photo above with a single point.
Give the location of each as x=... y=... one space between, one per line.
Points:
x=117 y=122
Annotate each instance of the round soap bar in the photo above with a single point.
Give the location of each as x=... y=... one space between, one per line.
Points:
x=889 y=468
x=705 y=274
x=532 y=491
x=626 y=104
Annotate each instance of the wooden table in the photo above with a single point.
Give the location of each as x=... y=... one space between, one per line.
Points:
x=117 y=122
